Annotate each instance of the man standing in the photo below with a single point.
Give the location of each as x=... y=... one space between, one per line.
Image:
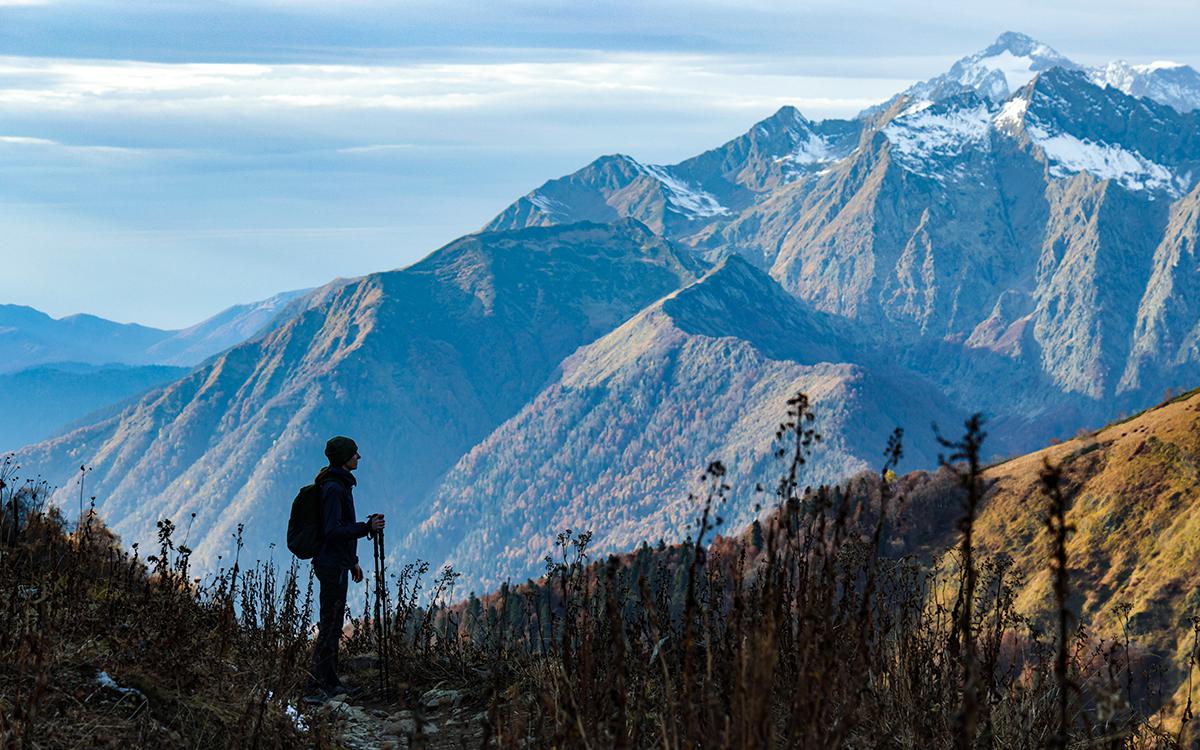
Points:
x=337 y=559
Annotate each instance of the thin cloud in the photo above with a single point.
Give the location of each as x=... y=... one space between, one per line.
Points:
x=24 y=140
x=377 y=148
x=83 y=149
x=58 y=85
x=253 y=232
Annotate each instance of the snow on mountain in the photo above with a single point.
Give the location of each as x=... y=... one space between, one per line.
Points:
x=803 y=144
x=994 y=72
x=1012 y=61
x=813 y=149
x=610 y=188
x=809 y=146
x=1078 y=126
x=691 y=197
x=683 y=198
x=1069 y=155
x=924 y=137
x=1011 y=114
x=1081 y=127
x=1170 y=83
x=687 y=199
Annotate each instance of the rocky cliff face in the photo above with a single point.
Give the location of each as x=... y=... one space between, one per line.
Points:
x=1015 y=204
x=692 y=197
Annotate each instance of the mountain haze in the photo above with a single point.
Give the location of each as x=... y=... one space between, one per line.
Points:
x=42 y=401
x=31 y=337
x=59 y=371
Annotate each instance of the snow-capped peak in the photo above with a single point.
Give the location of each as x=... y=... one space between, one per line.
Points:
x=1170 y=83
x=924 y=138
x=994 y=72
x=1158 y=65
x=1070 y=146
x=1010 y=62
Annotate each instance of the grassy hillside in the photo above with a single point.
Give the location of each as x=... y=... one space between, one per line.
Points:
x=1134 y=492
x=100 y=647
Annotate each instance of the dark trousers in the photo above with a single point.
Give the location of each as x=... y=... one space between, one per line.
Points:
x=329 y=629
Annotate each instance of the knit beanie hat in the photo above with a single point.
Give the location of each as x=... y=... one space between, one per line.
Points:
x=340 y=449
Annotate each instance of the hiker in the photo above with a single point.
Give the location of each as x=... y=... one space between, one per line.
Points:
x=336 y=559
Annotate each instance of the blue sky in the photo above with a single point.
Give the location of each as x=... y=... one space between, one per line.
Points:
x=160 y=161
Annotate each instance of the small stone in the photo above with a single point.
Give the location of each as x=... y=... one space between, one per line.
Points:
x=436 y=698
x=403 y=726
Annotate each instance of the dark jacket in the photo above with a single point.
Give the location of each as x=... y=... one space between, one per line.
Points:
x=342 y=530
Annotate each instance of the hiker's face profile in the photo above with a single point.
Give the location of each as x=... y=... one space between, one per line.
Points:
x=352 y=464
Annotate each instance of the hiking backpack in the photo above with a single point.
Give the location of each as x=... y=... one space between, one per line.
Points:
x=306 y=532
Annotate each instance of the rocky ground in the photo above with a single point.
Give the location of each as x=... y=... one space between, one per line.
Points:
x=435 y=724
x=440 y=718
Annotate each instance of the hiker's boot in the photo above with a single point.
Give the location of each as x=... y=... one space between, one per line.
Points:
x=342 y=690
x=316 y=697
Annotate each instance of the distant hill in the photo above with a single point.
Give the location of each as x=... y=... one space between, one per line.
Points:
x=29 y=337
x=227 y=328
x=55 y=372
x=40 y=402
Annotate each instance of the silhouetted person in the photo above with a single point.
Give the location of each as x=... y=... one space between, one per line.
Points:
x=337 y=559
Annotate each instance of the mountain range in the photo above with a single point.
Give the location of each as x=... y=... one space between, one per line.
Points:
x=30 y=337
x=1017 y=236
x=56 y=372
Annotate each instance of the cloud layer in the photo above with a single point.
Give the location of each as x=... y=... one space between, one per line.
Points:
x=195 y=154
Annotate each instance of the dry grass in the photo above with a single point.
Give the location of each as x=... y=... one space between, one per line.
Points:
x=186 y=670
x=835 y=622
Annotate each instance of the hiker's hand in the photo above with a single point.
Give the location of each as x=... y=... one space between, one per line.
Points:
x=375 y=522
x=356 y=573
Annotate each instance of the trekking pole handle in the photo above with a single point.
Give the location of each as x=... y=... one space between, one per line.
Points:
x=373 y=533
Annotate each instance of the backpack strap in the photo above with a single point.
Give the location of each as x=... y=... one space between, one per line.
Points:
x=324 y=475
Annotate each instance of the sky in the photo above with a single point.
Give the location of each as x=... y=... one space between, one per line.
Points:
x=160 y=161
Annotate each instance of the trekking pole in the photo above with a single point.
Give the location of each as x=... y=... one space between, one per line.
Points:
x=375 y=575
x=381 y=614
x=387 y=619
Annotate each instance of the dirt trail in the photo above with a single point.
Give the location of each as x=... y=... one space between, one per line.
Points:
x=437 y=721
